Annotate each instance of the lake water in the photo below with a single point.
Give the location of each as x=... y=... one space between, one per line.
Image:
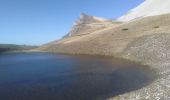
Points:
x=45 y=76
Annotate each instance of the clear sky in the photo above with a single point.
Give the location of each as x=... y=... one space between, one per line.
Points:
x=37 y=22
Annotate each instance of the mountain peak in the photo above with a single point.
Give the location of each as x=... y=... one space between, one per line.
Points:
x=83 y=15
x=87 y=19
x=86 y=24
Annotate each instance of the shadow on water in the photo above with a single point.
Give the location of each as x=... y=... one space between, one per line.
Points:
x=43 y=76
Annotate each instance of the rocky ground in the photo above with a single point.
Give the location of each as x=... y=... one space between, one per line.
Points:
x=152 y=50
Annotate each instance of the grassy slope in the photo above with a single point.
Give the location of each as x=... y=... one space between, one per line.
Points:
x=110 y=41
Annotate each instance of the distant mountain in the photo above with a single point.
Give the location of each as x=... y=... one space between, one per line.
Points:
x=87 y=19
x=13 y=47
x=147 y=8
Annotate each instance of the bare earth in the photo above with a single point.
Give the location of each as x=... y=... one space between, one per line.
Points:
x=145 y=40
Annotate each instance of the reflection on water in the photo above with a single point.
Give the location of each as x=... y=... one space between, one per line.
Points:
x=44 y=76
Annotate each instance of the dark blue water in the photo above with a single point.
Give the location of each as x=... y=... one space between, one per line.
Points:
x=44 y=76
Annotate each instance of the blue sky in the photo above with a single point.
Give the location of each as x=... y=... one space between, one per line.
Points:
x=36 y=22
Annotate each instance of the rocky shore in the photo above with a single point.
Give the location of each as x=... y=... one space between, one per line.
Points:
x=152 y=50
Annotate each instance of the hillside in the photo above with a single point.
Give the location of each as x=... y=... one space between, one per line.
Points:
x=147 y=8
x=111 y=40
x=152 y=50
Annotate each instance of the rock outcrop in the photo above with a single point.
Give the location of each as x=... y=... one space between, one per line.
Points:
x=87 y=19
x=87 y=24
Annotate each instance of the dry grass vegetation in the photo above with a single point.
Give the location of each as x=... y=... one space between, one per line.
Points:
x=110 y=40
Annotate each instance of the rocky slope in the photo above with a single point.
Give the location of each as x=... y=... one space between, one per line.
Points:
x=152 y=50
x=147 y=8
x=87 y=24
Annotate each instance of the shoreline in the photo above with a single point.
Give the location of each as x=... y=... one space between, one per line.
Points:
x=152 y=91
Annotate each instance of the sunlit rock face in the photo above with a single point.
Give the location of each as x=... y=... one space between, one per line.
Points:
x=147 y=8
x=87 y=24
x=87 y=19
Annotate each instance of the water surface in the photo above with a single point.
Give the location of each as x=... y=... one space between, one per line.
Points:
x=45 y=76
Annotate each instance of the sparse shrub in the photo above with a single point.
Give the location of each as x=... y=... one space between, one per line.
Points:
x=125 y=29
x=156 y=26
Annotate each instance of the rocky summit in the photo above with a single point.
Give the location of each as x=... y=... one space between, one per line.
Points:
x=86 y=24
